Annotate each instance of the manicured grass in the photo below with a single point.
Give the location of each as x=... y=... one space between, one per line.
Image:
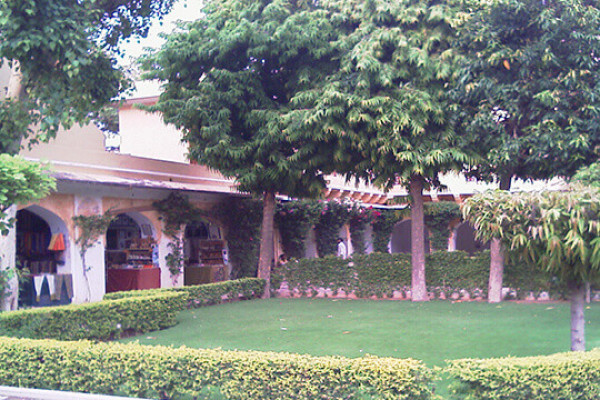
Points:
x=432 y=331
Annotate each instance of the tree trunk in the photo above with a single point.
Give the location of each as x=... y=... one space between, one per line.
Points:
x=266 y=241
x=497 y=257
x=496 y=271
x=577 y=318
x=417 y=233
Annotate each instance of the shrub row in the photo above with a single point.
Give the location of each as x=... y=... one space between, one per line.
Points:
x=184 y=373
x=207 y=294
x=382 y=273
x=573 y=375
x=103 y=320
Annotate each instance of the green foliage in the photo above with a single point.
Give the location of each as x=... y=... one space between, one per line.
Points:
x=574 y=375
x=557 y=230
x=91 y=227
x=20 y=182
x=65 y=51
x=334 y=215
x=294 y=220
x=204 y=295
x=380 y=274
x=383 y=224
x=229 y=80
x=103 y=320
x=360 y=219
x=589 y=175
x=176 y=211
x=438 y=216
x=527 y=90
x=184 y=373
x=242 y=217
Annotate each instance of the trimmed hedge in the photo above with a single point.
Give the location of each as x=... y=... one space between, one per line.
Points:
x=381 y=274
x=207 y=294
x=103 y=320
x=184 y=373
x=573 y=375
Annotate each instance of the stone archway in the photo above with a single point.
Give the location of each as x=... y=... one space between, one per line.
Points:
x=464 y=239
x=400 y=241
x=42 y=249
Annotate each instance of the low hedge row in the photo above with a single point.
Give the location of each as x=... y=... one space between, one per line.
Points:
x=207 y=294
x=382 y=273
x=573 y=375
x=103 y=320
x=184 y=373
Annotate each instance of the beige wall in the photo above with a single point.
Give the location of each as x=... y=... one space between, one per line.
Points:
x=145 y=135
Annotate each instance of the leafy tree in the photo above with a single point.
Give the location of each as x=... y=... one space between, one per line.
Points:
x=229 y=79
x=558 y=231
x=588 y=176
x=387 y=103
x=528 y=91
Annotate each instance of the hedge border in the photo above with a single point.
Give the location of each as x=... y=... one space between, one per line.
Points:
x=184 y=373
x=104 y=320
x=206 y=294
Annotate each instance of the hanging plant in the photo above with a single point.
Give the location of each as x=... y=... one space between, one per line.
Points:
x=294 y=220
x=438 y=216
x=176 y=211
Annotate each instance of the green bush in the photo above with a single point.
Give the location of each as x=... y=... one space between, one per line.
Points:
x=573 y=375
x=381 y=274
x=207 y=294
x=184 y=373
x=103 y=320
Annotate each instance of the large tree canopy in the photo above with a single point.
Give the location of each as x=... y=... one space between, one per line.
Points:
x=229 y=81
x=529 y=86
x=528 y=92
x=387 y=104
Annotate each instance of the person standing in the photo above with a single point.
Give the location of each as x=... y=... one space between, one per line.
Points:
x=341 y=249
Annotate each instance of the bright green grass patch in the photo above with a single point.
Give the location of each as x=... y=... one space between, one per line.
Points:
x=432 y=332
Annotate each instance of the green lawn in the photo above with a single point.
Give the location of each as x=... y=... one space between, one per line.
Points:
x=432 y=331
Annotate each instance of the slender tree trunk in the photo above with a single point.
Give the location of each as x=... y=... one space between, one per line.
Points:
x=577 y=318
x=497 y=257
x=266 y=241
x=496 y=271
x=417 y=233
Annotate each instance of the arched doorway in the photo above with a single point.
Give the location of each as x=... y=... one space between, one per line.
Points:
x=42 y=240
x=464 y=237
x=131 y=254
x=401 y=237
x=204 y=253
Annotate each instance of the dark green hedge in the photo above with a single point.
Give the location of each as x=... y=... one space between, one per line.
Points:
x=382 y=273
x=184 y=373
x=103 y=320
x=207 y=294
x=573 y=375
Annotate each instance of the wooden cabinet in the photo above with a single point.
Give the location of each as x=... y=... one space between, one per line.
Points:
x=210 y=252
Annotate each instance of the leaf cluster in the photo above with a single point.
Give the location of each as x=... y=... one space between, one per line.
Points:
x=560 y=230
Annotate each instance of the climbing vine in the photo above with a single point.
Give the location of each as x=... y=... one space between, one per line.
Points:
x=360 y=218
x=438 y=216
x=176 y=211
x=334 y=215
x=294 y=220
x=383 y=223
x=91 y=227
x=243 y=218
